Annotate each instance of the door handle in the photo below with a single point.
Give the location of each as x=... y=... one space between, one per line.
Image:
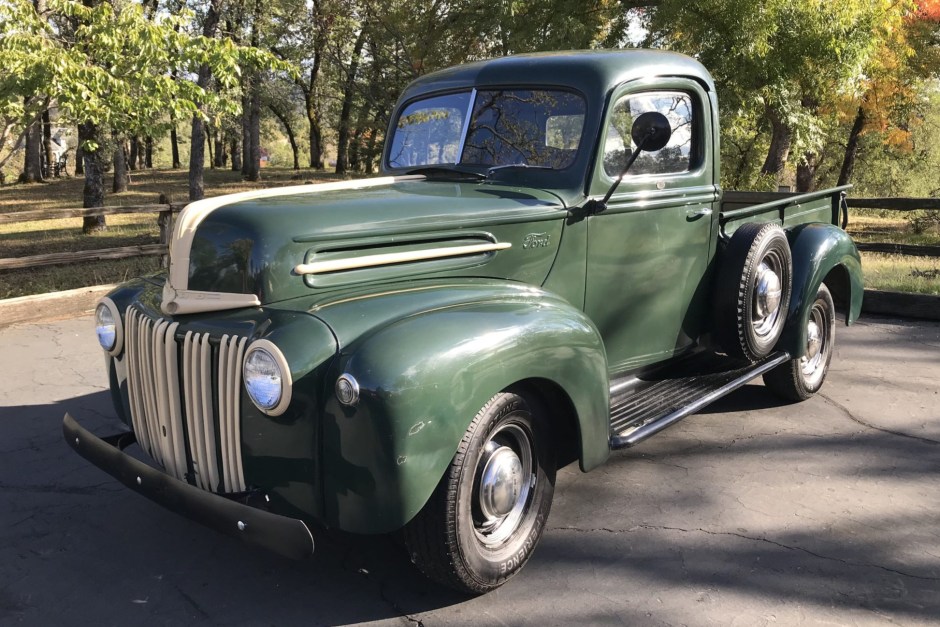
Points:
x=693 y=214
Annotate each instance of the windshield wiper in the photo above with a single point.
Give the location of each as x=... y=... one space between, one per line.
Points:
x=524 y=166
x=441 y=171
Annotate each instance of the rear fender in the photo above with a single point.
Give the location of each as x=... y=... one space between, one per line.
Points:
x=820 y=251
x=424 y=378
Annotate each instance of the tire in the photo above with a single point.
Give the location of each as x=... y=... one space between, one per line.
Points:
x=800 y=378
x=474 y=539
x=753 y=294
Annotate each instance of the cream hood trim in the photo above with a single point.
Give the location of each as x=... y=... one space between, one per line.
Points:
x=386 y=259
x=177 y=298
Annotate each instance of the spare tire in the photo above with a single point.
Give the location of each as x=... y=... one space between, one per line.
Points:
x=753 y=291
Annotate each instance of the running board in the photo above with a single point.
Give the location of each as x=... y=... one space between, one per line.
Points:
x=644 y=407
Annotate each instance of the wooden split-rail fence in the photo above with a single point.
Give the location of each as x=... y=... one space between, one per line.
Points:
x=897 y=204
x=166 y=210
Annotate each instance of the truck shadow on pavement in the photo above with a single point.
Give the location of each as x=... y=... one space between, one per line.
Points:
x=681 y=517
x=77 y=546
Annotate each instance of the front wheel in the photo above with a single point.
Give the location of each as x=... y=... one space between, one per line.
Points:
x=487 y=514
x=800 y=378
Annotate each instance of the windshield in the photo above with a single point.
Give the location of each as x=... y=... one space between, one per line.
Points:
x=494 y=127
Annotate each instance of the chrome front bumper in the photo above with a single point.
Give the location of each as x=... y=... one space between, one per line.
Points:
x=286 y=536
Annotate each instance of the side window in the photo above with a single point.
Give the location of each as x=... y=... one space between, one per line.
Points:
x=675 y=157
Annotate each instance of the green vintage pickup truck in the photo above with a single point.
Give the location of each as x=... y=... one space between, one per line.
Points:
x=547 y=272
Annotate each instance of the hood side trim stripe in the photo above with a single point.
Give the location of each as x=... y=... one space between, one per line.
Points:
x=386 y=259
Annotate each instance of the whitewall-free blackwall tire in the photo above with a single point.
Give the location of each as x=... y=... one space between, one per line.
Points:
x=487 y=514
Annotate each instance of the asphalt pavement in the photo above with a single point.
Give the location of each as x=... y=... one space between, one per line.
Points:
x=751 y=513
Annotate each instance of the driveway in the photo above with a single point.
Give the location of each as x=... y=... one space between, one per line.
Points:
x=751 y=513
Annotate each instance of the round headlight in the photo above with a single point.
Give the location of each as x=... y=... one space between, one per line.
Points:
x=267 y=377
x=108 y=326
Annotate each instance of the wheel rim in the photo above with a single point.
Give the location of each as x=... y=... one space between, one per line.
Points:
x=503 y=482
x=768 y=293
x=813 y=363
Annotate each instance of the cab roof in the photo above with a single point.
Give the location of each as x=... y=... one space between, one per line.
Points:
x=592 y=72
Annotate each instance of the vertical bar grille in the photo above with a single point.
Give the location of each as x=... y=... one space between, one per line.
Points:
x=184 y=399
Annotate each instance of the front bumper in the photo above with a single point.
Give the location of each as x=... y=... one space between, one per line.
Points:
x=287 y=536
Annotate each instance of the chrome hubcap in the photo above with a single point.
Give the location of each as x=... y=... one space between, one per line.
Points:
x=501 y=483
x=504 y=481
x=813 y=339
x=768 y=292
x=812 y=365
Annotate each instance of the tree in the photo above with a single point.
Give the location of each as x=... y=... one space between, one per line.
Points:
x=112 y=70
x=197 y=150
x=781 y=60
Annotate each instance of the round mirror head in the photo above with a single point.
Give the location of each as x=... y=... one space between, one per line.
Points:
x=651 y=131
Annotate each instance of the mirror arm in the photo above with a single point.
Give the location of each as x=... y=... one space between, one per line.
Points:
x=597 y=206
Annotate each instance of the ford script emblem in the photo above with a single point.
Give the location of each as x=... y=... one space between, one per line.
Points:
x=536 y=240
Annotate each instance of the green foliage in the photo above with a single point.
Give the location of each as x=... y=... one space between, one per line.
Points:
x=907 y=169
x=112 y=65
x=792 y=59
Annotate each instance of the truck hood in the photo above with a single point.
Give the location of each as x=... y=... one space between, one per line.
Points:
x=267 y=246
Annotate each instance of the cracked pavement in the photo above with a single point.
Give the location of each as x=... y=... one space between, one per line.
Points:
x=752 y=512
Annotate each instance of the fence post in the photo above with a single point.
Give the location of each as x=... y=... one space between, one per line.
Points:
x=165 y=221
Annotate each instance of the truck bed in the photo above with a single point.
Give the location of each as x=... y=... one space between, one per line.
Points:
x=787 y=209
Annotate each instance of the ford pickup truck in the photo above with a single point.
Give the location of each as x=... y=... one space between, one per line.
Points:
x=546 y=272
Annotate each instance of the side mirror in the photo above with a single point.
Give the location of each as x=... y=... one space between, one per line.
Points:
x=651 y=131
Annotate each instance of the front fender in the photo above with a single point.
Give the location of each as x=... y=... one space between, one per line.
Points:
x=424 y=378
x=817 y=250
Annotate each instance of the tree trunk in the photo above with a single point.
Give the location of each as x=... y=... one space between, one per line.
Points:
x=372 y=145
x=315 y=133
x=806 y=172
x=175 y=148
x=79 y=158
x=236 y=149
x=197 y=158
x=32 y=152
x=324 y=23
x=342 y=141
x=355 y=150
x=47 y=151
x=219 y=158
x=851 y=148
x=132 y=158
x=119 y=161
x=209 y=148
x=246 y=131
x=148 y=152
x=197 y=154
x=779 y=151
x=290 y=134
x=93 y=191
x=254 y=130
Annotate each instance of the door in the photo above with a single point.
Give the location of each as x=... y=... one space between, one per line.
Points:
x=649 y=251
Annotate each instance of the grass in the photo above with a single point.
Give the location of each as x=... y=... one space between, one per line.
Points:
x=884 y=272
x=898 y=273
x=902 y=273
x=32 y=238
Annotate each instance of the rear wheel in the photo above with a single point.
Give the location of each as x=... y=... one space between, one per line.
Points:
x=800 y=378
x=487 y=514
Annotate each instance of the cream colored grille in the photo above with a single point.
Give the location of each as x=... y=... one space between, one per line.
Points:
x=171 y=384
